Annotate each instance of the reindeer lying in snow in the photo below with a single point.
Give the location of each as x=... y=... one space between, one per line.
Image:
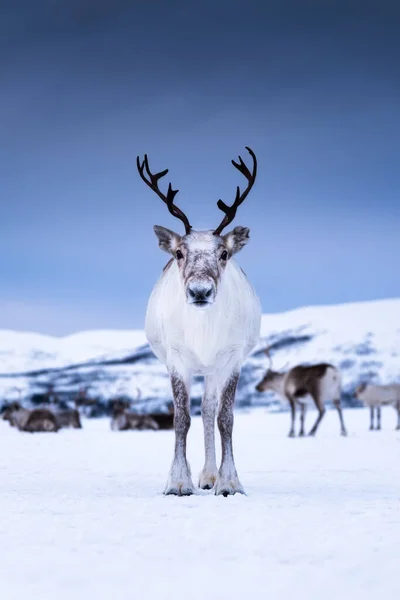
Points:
x=38 y=419
x=376 y=396
x=68 y=417
x=123 y=420
x=303 y=386
x=203 y=317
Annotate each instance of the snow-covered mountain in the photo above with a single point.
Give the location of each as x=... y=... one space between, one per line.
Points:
x=362 y=339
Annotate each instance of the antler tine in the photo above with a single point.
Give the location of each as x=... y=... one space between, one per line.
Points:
x=230 y=211
x=266 y=351
x=151 y=179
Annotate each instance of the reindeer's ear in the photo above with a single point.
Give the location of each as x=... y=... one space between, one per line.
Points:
x=236 y=239
x=167 y=240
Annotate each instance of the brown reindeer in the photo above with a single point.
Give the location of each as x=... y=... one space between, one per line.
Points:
x=38 y=419
x=303 y=386
x=124 y=420
x=163 y=420
x=376 y=396
x=68 y=417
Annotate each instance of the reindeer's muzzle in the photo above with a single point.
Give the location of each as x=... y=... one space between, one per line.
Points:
x=200 y=294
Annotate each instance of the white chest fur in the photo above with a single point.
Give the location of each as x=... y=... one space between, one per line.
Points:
x=203 y=339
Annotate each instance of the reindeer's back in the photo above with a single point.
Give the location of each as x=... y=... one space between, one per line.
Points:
x=374 y=395
x=320 y=379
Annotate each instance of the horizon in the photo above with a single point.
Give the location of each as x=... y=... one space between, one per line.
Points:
x=264 y=314
x=89 y=85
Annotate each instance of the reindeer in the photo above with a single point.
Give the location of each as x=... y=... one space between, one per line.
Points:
x=203 y=317
x=38 y=419
x=305 y=385
x=68 y=417
x=84 y=402
x=164 y=420
x=376 y=396
x=122 y=419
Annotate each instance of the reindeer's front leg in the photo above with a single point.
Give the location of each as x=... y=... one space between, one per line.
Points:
x=209 y=474
x=228 y=482
x=179 y=480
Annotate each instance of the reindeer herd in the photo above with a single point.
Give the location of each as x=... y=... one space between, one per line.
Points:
x=53 y=416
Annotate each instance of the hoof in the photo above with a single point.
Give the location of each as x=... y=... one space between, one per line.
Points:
x=343 y=433
x=207 y=480
x=179 y=491
x=228 y=492
x=229 y=488
x=291 y=434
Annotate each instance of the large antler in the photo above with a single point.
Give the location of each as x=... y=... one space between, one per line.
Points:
x=152 y=181
x=230 y=211
x=268 y=354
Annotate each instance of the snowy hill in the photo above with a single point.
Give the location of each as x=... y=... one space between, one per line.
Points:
x=362 y=339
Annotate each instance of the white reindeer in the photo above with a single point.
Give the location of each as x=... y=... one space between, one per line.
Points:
x=376 y=396
x=203 y=317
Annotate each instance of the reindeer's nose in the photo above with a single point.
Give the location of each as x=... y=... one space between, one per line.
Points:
x=200 y=293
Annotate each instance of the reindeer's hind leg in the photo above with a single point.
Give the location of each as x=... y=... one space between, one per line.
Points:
x=378 y=417
x=321 y=412
x=228 y=482
x=179 y=480
x=371 y=423
x=398 y=415
x=338 y=407
x=303 y=410
x=209 y=474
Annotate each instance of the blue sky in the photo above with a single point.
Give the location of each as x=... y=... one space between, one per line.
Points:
x=86 y=86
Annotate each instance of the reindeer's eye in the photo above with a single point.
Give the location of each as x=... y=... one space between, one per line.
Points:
x=224 y=255
x=179 y=255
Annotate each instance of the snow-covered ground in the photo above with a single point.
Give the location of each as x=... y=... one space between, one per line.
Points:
x=82 y=514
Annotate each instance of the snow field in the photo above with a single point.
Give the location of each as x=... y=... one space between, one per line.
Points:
x=83 y=515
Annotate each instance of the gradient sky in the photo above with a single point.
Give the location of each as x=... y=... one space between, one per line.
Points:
x=86 y=85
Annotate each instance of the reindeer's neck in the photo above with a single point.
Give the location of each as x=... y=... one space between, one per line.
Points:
x=279 y=385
